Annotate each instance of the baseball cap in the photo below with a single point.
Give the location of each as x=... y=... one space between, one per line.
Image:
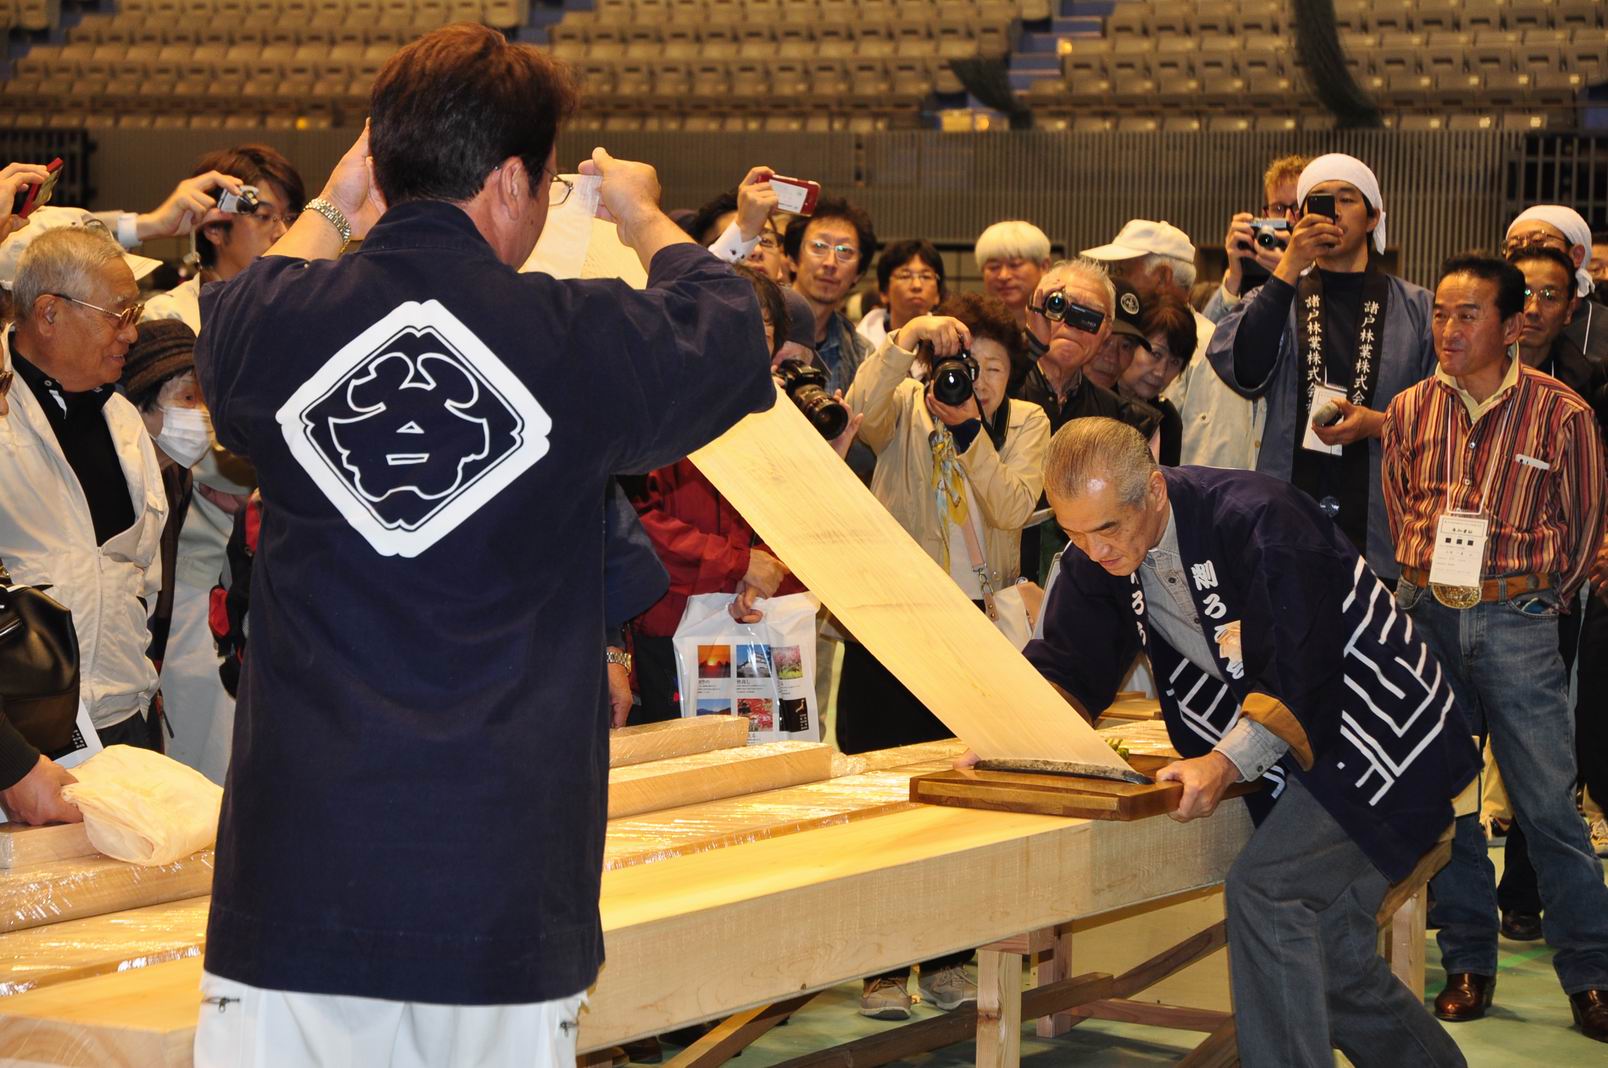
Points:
x=1126 y=319
x=50 y=218
x=1144 y=237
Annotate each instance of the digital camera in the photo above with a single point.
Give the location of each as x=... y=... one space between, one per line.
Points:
x=806 y=386
x=243 y=203
x=1271 y=233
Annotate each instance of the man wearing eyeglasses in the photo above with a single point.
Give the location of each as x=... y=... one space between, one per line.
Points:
x=1068 y=319
x=829 y=252
x=1560 y=227
x=910 y=281
x=83 y=505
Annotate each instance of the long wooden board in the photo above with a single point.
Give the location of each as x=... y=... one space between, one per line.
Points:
x=675 y=738
x=21 y=845
x=846 y=547
x=94 y=886
x=745 y=926
x=122 y=941
x=714 y=775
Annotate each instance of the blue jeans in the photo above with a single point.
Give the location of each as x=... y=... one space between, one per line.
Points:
x=1502 y=659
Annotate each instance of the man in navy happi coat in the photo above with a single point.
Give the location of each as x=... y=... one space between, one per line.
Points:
x=1279 y=655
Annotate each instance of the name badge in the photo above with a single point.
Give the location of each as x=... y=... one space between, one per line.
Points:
x=1459 y=549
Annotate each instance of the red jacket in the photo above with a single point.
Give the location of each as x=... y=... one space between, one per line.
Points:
x=700 y=538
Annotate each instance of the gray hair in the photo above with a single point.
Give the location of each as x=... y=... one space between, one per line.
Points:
x=1183 y=270
x=1093 y=274
x=60 y=261
x=1011 y=239
x=1097 y=448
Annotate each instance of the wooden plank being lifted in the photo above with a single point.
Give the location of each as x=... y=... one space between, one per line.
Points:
x=21 y=845
x=675 y=738
x=714 y=775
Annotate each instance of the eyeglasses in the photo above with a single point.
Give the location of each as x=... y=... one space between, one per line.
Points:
x=125 y=318
x=1536 y=239
x=1277 y=209
x=560 y=191
x=1546 y=295
x=923 y=277
x=843 y=253
x=769 y=240
x=268 y=216
x=1059 y=308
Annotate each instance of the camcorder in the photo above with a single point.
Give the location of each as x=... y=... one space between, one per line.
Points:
x=243 y=203
x=805 y=385
x=1060 y=308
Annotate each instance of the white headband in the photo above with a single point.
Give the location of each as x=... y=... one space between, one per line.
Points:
x=1337 y=166
x=1574 y=230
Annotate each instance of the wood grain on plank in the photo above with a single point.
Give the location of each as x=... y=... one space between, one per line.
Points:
x=21 y=845
x=122 y=941
x=675 y=738
x=713 y=775
x=94 y=886
x=138 y=1019
x=840 y=541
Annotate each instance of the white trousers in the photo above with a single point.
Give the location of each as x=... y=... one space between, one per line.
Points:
x=257 y=1028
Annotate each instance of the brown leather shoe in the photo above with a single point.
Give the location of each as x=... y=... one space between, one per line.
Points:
x=1466 y=996
x=1521 y=926
x=1591 y=1013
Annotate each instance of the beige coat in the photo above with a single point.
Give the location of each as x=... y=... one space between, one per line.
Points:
x=1005 y=484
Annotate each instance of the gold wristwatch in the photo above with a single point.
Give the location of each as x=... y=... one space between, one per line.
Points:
x=618 y=656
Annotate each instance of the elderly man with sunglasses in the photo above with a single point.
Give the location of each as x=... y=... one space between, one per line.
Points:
x=83 y=506
x=1068 y=319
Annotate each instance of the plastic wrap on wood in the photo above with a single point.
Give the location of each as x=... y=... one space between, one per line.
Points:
x=94 y=886
x=720 y=824
x=947 y=749
x=711 y=776
x=674 y=738
x=97 y=945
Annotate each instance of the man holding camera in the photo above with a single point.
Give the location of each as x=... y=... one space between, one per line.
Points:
x=1284 y=660
x=410 y=847
x=1493 y=477
x=1328 y=341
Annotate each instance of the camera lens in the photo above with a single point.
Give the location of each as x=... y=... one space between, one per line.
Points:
x=825 y=414
x=1267 y=239
x=951 y=382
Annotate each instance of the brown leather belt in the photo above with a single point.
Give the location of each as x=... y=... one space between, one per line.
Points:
x=1492 y=589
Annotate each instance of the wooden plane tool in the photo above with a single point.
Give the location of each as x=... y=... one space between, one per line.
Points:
x=1047 y=793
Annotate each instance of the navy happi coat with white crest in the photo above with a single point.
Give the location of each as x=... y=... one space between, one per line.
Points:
x=1318 y=632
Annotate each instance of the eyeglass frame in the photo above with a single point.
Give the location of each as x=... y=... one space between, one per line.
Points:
x=1278 y=209
x=905 y=274
x=819 y=249
x=125 y=318
x=1535 y=239
x=288 y=217
x=1560 y=296
x=558 y=179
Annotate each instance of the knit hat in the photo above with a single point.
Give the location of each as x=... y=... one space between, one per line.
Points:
x=164 y=350
x=800 y=318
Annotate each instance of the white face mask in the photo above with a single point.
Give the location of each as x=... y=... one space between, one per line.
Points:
x=186 y=434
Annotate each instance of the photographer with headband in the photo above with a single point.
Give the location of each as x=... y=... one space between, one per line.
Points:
x=1329 y=340
x=962 y=478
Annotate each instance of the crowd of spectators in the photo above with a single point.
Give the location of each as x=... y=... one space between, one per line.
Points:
x=1308 y=361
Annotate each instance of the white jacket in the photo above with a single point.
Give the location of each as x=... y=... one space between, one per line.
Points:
x=48 y=538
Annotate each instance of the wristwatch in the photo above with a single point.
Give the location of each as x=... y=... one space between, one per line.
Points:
x=335 y=217
x=618 y=656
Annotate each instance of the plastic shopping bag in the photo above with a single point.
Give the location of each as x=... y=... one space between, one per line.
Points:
x=764 y=671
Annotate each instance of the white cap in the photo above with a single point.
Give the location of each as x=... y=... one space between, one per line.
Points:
x=1574 y=229
x=48 y=218
x=1143 y=237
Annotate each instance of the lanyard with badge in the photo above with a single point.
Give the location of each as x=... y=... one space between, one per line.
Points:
x=1458 y=560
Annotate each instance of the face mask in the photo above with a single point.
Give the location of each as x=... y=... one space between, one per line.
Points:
x=186 y=434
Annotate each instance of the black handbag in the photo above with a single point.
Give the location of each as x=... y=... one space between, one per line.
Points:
x=38 y=665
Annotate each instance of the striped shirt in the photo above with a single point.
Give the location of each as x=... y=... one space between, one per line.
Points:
x=1529 y=457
